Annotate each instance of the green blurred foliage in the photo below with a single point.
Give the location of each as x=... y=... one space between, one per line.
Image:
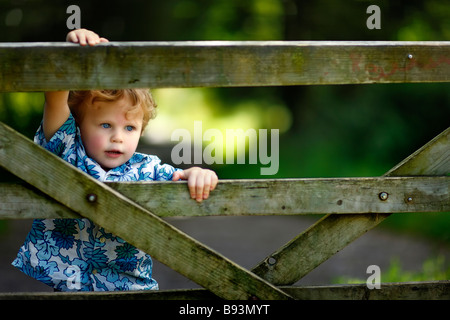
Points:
x=22 y=111
x=333 y=131
x=433 y=269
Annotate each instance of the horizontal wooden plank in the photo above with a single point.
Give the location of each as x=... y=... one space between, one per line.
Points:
x=296 y=196
x=21 y=201
x=57 y=66
x=136 y=225
x=427 y=290
x=257 y=197
x=175 y=294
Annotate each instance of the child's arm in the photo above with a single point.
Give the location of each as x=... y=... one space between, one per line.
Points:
x=56 y=112
x=56 y=109
x=200 y=181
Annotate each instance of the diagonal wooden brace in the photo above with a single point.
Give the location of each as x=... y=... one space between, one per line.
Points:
x=116 y=213
x=333 y=232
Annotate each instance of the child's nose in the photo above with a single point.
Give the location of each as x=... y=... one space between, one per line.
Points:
x=117 y=137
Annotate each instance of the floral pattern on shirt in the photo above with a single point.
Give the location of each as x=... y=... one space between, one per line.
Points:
x=76 y=254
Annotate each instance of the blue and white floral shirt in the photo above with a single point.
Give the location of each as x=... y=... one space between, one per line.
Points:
x=76 y=254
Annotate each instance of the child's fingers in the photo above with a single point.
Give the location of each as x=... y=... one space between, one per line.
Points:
x=72 y=37
x=84 y=37
x=177 y=175
x=192 y=186
x=202 y=187
x=206 y=187
x=199 y=185
x=214 y=180
x=199 y=193
x=91 y=38
x=211 y=180
x=196 y=184
x=200 y=182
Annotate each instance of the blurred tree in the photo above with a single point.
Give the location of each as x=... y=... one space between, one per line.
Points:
x=38 y=20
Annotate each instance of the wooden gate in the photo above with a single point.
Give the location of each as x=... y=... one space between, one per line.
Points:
x=52 y=188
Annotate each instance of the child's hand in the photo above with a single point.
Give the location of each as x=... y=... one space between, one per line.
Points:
x=84 y=37
x=200 y=181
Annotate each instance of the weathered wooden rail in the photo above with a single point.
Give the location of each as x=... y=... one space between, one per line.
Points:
x=420 y=183
x=57 y=66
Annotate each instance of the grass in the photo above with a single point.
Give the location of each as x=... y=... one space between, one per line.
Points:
x=433 y=269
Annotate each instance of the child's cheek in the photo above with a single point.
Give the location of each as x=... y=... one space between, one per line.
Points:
x=95 y=143
x=132 y=144
x=98 y=142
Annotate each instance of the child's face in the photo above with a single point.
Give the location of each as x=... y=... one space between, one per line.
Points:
x=109 y=136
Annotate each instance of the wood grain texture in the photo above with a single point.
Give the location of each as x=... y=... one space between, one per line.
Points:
x=256 y=197
x=57 y=66
x=426 y=290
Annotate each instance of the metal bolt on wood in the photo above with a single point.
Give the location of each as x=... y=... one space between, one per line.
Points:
x=383 y=196
x=91 y=197
x=271 y=261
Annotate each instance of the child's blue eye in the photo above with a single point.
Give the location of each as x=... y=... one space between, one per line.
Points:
x=106 y=125
x=129 y=128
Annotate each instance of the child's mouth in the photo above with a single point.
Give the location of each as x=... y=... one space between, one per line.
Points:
x=113 y=153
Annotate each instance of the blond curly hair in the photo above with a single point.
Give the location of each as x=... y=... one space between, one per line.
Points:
x=140 y=98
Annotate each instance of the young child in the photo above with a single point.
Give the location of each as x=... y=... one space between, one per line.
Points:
x=98 y=132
